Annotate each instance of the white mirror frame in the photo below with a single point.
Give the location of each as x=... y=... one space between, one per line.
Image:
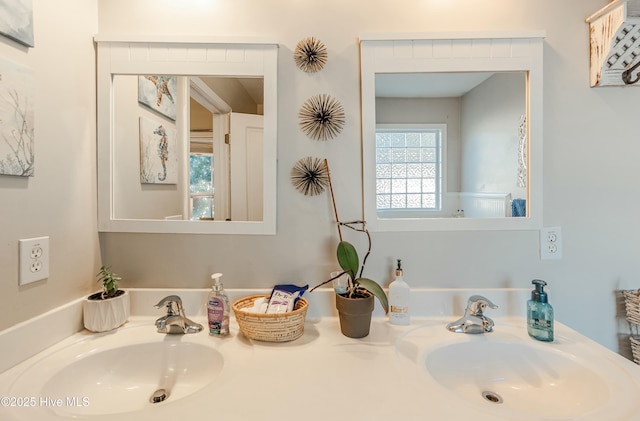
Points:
x=453 y=52
x=195 y=56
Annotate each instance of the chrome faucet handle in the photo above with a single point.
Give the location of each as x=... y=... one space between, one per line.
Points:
x=169 y=301
x=474 y=321
x=476 y=305
x=175 y=321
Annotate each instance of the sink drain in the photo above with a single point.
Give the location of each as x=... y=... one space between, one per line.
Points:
x=492 y=397
x=159 y=396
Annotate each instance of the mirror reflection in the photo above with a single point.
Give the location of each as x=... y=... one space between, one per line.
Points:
x=188 y=147
x=450 y=144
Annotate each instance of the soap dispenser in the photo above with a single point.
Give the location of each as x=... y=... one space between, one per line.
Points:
x=539 y=313
x=399 y=298
x=218 y=308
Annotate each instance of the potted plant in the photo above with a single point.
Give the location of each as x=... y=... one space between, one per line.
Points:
x=356 y=303
x=109 y=308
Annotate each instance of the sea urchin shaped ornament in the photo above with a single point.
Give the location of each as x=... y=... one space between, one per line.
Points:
x=310 y=176
x=310 y=55
x=322 y=117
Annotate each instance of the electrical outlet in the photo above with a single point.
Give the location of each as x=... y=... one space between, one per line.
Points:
x=34 y=260
x=551 y=243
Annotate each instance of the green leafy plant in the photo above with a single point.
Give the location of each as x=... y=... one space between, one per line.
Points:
x=109 y=282
x=349 y=262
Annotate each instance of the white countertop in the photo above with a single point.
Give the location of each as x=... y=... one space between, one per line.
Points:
x=321 y=376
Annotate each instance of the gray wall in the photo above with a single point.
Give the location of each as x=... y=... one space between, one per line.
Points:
x=583 y=183
x=590 y=155
x=60 y=200
x=490 y=118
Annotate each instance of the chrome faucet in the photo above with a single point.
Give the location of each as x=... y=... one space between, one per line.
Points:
x=474 y=321
x=175 y=321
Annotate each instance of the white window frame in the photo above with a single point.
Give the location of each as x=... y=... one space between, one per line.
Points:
x=441 y=170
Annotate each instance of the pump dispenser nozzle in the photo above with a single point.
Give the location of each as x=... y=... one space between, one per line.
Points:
x=217 y=284
x=538 y=294
x=399 y=268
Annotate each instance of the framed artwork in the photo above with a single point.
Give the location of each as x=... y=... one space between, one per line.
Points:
x=16 y=119
x=158 y=153
x=16 y=21
x=158 y=93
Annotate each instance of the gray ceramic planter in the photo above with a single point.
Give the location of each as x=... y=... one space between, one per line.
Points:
x=355 y=315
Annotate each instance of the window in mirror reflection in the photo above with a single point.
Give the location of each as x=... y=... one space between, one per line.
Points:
x=201 y=186
x=409 y=175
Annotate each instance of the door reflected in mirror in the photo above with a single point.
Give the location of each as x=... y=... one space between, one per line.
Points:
x=214 y=146
x=450 y=144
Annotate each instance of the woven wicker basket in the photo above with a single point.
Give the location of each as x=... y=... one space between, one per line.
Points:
x=281 y=327
x=632 y=308
x=635 y=348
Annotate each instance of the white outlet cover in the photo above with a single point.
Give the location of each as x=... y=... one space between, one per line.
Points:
x=551 y=243
x=34 y=260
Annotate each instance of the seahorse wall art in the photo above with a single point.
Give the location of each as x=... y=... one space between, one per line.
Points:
x=158 y=160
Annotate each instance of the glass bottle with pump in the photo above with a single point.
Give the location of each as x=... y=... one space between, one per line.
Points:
x=399 y=292
x=539 y=313
x=218 y=308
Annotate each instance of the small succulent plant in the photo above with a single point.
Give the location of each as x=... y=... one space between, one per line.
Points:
x=109 y=282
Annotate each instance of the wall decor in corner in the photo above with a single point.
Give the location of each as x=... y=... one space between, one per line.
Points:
x=16 y=119
x=16 y=21
x=522 y=152
x=159 y=93
x=310 y=55
x=322 y=117
x=613 y=34
x=158 y=153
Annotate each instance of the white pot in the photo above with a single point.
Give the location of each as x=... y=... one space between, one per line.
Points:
x=103 y=315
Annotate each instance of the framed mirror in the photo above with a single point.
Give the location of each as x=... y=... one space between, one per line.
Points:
x=452 y=131
x=187 y=137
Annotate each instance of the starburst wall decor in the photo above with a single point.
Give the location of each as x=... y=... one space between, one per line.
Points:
x=322 y=117
x=310 y=55
x=310 y=176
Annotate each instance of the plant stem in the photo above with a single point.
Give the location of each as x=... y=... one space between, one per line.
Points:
x=333 y=199
x=328 y=280
x=366 y=231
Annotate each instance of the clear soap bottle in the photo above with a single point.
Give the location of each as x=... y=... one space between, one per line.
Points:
x=539 y=313
x=218 y=308
x=399 y=295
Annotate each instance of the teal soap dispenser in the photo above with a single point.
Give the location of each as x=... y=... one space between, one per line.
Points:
x=539 y=313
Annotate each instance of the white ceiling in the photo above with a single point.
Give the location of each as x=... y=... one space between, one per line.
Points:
x=427 y=85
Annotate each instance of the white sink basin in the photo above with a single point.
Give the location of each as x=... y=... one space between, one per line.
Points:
x=130 y=375
x=120 y=372
x=511 y=376
x=525 y=378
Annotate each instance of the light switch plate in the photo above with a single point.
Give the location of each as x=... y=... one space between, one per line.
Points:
x=34 y=260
